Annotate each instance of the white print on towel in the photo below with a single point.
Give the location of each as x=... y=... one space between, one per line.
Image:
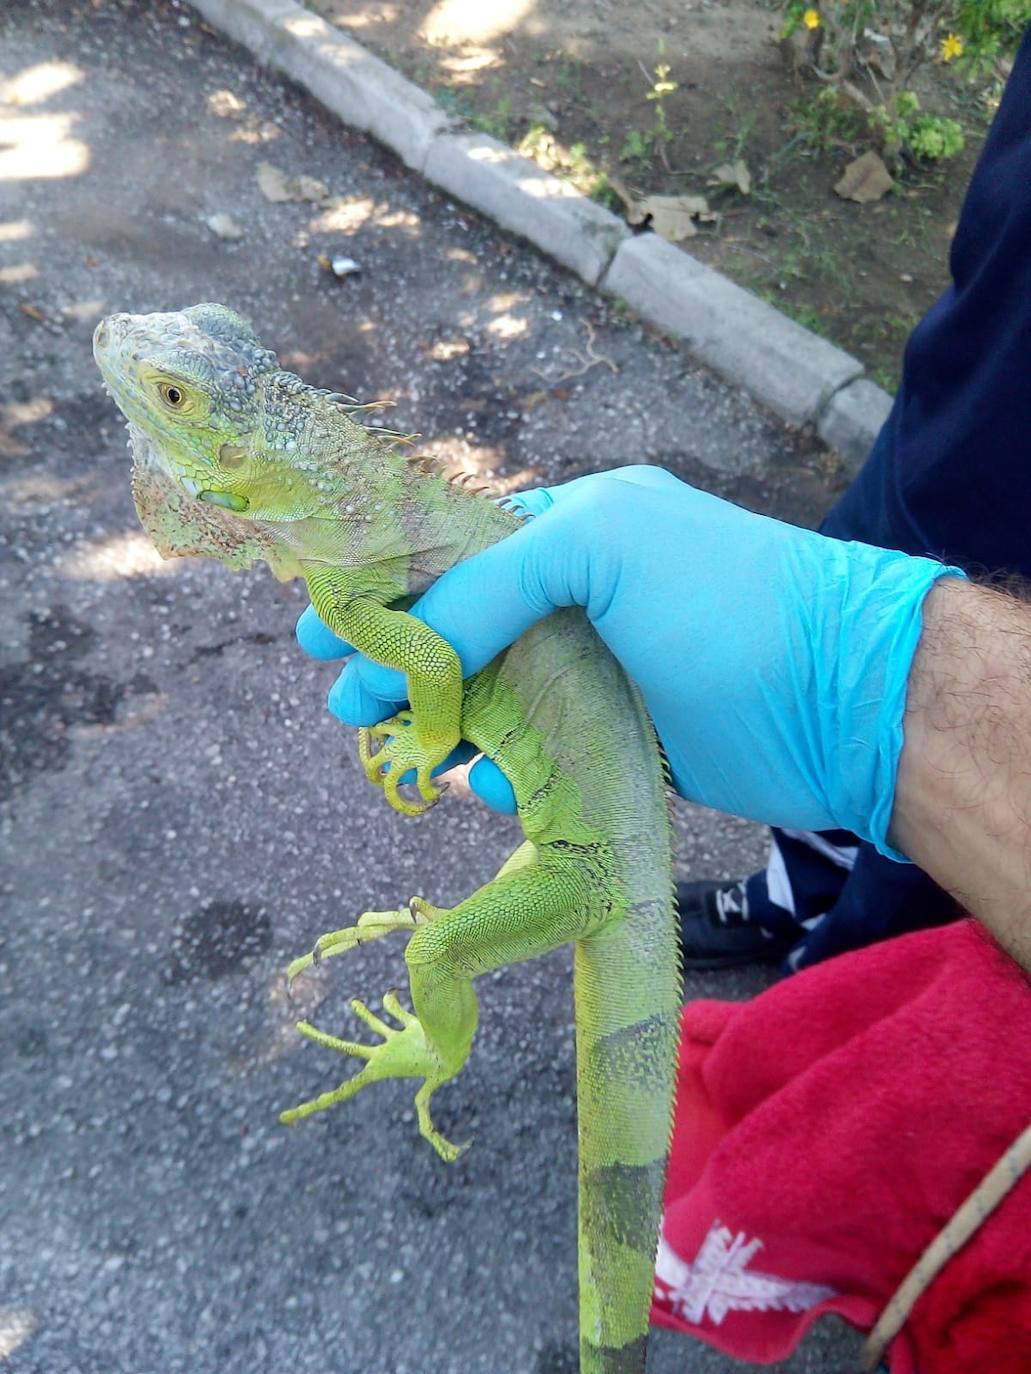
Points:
x=718 y=1281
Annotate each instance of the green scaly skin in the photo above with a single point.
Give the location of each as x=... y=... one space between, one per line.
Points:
x=237 y=460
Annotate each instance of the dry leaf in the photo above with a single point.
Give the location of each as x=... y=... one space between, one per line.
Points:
x=733 y=174
x=673 y=217
x=277 y=187
x=33 y=311
x=272 y=182
x=865 y=180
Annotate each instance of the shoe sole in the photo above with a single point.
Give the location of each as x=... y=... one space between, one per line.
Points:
x=712 y=962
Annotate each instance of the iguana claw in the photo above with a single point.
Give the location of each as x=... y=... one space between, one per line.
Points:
x=402 y=750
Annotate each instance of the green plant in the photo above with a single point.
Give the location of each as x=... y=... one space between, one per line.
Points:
x=990 y=28
x=641 y=144
x=635 y=146
x=495 y=122
x=886 y=377
x=824 y=120
x=572 y=163
x=905 y=130
x=660 y=89
x=976 y=31
x=734 y=144
x=867 y=51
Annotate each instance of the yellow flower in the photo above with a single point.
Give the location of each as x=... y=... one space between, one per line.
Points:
x=951 y=47
x=811 y=19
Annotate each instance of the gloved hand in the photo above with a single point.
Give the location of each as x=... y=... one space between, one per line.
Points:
x=773 y=660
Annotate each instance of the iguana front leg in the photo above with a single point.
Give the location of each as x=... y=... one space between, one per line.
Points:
x=351 y=610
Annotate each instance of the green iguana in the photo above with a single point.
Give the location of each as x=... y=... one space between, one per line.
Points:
x=238 y=460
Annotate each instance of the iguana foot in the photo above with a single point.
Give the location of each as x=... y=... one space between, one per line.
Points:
x=403 y=1053
x=371 y=925
x=402 y=749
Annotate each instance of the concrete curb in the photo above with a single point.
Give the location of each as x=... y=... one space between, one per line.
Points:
x=522 y=197
x=800 y=376
x=342 y=75
x=851 y=417
x=788 y=368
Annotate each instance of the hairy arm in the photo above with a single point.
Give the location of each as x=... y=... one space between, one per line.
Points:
x=963 y=792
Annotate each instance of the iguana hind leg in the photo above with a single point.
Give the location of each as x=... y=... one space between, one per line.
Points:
x=539 y=901
x=371 y=925
x=402 y=1053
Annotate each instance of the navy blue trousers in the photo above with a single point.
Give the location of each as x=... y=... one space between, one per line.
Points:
x=949 y=477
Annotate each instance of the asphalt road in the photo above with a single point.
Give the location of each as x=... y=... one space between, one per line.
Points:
x=180 y=816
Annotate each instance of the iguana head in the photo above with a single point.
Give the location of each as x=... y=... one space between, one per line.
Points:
x=236 y=459
x=227 y=447
x=190 y=384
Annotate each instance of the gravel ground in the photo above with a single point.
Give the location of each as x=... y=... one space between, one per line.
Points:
x=180 y=817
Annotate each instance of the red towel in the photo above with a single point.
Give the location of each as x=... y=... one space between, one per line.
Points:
x=827 y=1130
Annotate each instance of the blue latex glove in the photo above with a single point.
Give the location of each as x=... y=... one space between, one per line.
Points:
x=773 y=660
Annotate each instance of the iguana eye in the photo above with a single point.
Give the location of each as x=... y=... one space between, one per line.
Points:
x=172 y=395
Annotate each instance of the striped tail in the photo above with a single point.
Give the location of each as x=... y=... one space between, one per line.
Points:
x=627 y=988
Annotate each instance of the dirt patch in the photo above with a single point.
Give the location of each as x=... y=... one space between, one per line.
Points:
x=46 y=695
x=580 y=72
x=216 y=939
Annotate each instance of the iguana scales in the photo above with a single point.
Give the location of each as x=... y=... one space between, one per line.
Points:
x=238 y=460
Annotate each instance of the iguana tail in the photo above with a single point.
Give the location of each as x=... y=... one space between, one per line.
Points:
x=572 y=733
x=627 y=1018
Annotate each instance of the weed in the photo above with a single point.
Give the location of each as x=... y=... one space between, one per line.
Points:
x=572 y=163
x=886 y=377
x=636 y=147
x=495 y=122
x=640 y=145
x=734 y=144
x=971 y=33
x=807 y=318
x=661 y=88
x=825 y=122
x=569 y=76
x=904 y=130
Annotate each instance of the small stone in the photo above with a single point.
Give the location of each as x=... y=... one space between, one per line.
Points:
x=224 y=226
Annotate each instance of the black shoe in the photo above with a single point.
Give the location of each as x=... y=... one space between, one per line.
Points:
x=715 y=931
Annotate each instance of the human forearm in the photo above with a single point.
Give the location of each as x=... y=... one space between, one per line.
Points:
x=963 y=794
